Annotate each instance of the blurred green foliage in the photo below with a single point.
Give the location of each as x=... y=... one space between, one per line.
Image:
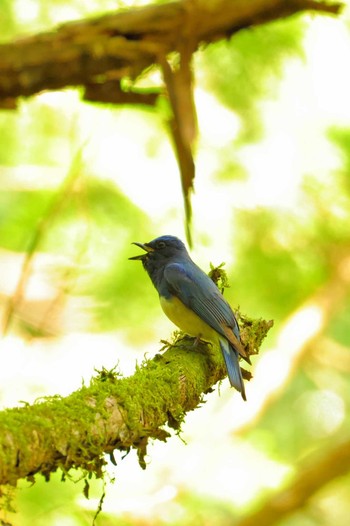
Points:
x=243 y=70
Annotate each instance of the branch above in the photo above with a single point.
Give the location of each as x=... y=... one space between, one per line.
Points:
x=101 y=50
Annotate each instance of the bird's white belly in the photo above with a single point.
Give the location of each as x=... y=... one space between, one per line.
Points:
x=187 y=320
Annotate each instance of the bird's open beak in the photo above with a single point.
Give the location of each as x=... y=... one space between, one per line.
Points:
x=145 y=247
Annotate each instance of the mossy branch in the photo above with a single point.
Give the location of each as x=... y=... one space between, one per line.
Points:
x=113 y=412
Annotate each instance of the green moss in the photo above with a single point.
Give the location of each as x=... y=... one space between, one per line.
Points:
x=253 y=332
x=115 y=412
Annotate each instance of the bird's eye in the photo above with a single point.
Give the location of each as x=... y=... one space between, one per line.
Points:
x=161 y=244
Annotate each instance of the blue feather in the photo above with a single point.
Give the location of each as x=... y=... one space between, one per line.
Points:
x=232 y=366
x=198 y=292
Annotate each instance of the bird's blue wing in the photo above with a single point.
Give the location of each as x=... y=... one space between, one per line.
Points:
x=198 y=292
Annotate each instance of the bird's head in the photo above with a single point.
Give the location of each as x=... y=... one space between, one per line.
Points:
x=160 y=250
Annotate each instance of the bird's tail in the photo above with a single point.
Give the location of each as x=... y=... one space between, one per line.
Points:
x=233 y=369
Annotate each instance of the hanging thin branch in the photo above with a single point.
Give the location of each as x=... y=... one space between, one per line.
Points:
x=183 y=124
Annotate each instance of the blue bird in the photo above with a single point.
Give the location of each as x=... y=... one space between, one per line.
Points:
x=193 y=302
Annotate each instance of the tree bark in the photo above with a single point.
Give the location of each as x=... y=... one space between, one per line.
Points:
x=114 y=412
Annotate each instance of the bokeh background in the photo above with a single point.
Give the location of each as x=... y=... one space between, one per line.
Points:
x=79 y=182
